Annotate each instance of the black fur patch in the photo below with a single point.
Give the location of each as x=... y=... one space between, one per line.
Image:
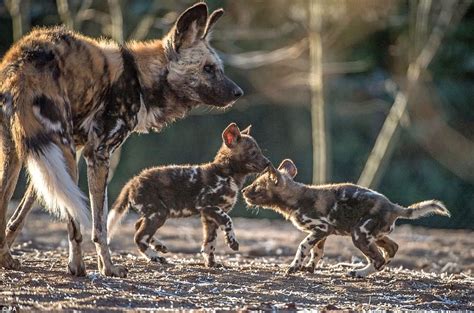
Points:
x=48 y=108
x=37 y=143
x=154 y=96
x=37 y=55
x=6 y=102
x=122 y=103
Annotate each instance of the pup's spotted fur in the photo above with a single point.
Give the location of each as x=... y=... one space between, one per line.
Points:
x=209 y=190
x=341 y=209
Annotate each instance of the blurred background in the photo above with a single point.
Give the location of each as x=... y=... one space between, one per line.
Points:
x=378 y=93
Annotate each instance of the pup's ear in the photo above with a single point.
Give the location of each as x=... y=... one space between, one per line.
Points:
x=274 y=174
x=190 y=26
x=231 y=135
x=212 y=20
x=289 y=167
x=247 y=130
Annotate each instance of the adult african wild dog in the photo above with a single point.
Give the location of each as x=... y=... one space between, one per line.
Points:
x=341 y=209
x=209 y=190
x=62 y=91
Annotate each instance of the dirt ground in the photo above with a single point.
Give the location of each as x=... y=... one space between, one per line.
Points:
x=434 y=269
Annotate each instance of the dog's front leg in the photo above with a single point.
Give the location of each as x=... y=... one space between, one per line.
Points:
x=225 y=223
x=97 y=172
x=209 y=228
x=304 y=248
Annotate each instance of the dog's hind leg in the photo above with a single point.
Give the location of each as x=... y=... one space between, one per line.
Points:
x=316 y=254
x=18 y=219
x=146 y=229
x=389 y=247
x=76 y=264
x=10 y=168
x=364 y=239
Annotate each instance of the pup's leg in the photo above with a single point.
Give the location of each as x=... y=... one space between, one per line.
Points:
x=364 y=240
x=316 y=254
x=389 y=247
x=304 y=248
x=209 y=229
x=225 y=223
x=146 y=228
x=18 y=219
x=9 y=171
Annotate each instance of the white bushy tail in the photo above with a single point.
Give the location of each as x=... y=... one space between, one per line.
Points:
x=424 y=208
x=53 y=183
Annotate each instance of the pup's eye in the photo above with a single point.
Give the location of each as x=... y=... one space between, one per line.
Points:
x=208 y=68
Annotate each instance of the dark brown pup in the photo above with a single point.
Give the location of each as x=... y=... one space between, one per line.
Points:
x=209 y=190
x=341 y=209
x=61 y=91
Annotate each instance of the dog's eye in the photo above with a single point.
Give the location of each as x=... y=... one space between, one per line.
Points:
x=208 y=68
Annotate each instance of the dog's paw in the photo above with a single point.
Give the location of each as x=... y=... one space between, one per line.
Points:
x=234 y=245
x=213 y=264
x=308 y=268
x=291 y=270
x=160 y=248
x=76 y=268
x=158 y=259
x=8 y=262
x=114 y=271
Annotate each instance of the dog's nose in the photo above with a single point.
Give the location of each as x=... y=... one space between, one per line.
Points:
x=245 y=189
x=238 y=92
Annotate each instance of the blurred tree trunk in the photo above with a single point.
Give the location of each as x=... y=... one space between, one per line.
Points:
x=318 y=115
x=19 y=11
x=384 y=144
x=116 y=17
x=65 y=13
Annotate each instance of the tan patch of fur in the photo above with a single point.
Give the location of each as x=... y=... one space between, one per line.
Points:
x=114 y=58
x=150 y=59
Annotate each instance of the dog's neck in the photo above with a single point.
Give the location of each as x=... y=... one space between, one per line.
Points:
x=159 y=103
x=224 y=164
x=290 y=201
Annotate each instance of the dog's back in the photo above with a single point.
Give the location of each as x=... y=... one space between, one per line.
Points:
x=41 y=74
x=177 y=191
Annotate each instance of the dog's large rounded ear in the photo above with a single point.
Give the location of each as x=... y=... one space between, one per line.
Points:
x=247 y=130
x=231 y=135
x=212 y=20
x=190 y=26
x=289 y=167
x=274 y=174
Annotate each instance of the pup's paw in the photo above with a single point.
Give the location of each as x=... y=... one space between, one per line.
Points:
x=234 y=245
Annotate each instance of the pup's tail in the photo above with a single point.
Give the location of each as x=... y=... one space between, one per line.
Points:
x=424 y=208
x=117 y=212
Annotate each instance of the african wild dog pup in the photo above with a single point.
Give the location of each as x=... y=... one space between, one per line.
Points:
x=209 y=189
x=341 y=209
